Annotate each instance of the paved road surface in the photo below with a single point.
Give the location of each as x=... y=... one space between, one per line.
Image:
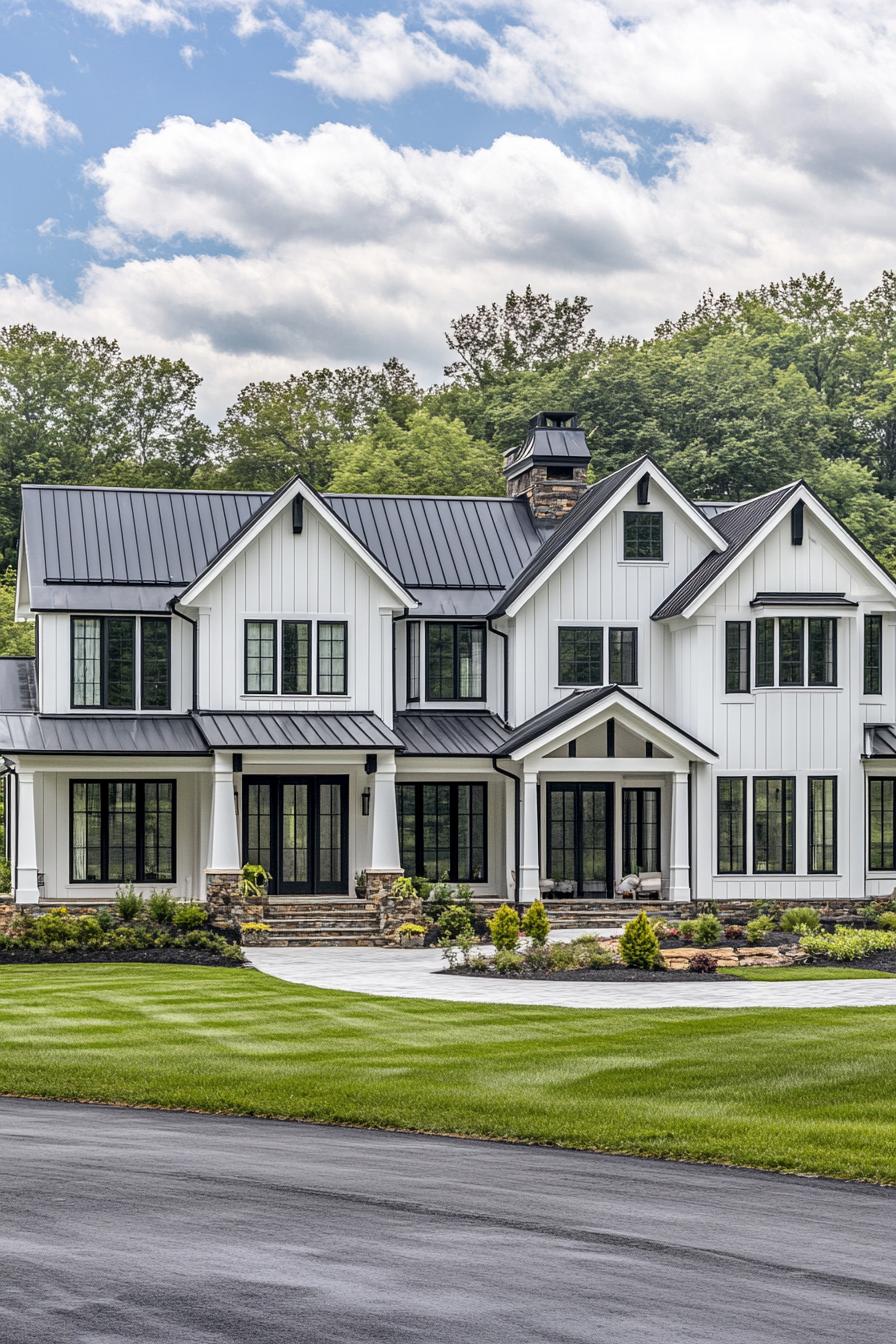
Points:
x=145 y=1226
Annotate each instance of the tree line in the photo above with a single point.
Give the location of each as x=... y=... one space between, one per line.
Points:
x=734 y=398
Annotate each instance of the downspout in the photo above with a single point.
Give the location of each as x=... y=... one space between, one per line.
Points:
x=195 y=625
x=502 y=634
x=516 y=827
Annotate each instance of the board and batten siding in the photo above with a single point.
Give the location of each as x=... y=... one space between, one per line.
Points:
x=55 y=665
x=282 y=574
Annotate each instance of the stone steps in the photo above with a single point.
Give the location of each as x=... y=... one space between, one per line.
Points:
x=323 y=924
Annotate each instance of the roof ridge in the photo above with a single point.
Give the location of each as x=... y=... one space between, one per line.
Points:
x=143 y=489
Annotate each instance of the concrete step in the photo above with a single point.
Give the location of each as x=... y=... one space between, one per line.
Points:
x=321 y=939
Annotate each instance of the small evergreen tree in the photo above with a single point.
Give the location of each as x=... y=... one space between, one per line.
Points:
x=536 y=925
x=504 y=927
x=639 y=946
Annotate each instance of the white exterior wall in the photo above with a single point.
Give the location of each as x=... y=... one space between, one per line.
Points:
x=55 y=665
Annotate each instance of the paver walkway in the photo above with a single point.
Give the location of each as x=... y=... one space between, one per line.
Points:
x=413 y=974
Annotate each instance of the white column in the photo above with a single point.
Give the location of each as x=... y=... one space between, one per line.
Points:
x=529 y=875
x=680 y=847
x=385 y=855
x=26 y=842
x=224 y=843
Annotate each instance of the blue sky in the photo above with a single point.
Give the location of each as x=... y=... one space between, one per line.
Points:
x=169 y=185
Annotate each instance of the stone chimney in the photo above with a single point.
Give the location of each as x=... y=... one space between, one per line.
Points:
x=550 y=467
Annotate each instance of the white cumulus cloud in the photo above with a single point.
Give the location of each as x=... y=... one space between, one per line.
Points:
x=26 y=114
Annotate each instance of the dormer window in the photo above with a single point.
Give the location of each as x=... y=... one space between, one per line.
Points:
x=642 y=535
x=455 y=661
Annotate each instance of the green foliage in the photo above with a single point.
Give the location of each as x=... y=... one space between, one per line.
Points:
x=403 y=889
x=524 y=332
x=441 y=896
x=639 y=946
x=707 y=931
x=16 y=637
x=190 y=916
x=161 y=907
x=504 y=928
x=410 y=930
x=799 y=917
x=253 y=881
x=57 y=934
x=5 y=876
x=759 y=929
x=128 y=904
x=686 y=930
x=455 y=922
x=846 y=944
x=591 y=953
x=429 y=456
x=507 y=961
x=887 y=920
x=535 y=925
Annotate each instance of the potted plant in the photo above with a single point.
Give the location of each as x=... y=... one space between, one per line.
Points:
x=361 y=884
x=410 y=934
x=254 y=933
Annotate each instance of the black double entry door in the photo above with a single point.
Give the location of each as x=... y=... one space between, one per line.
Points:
x=580 y=836
x=296 y=827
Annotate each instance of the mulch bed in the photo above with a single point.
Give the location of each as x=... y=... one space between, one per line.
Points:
x=184 y=956
x=611 y=973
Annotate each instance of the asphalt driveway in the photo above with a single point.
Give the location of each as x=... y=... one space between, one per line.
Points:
x=141 y=1225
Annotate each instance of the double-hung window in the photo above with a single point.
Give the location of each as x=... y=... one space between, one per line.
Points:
x=104 y=662
x=584 y=651
x=455 y=661
x=278 y=657
x=642 y=536
x=413 y=681
x=873 y=655
x=737 y=657
x=823 y=824
x=623 y=656
x=882 y=823
x=442 y=829
x=773 y=824
x=731 y=823
x=122 y=830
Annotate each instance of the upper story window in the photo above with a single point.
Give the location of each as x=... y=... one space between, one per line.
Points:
x=104 y=663
x=455 y=661
x=794 y=651
x=585 y=650
x=642 y=535
x=873 y=656
x=278 y=657
x=413 y=686
x=737 y=657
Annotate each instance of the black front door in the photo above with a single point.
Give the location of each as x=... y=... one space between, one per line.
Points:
x=297 y=828
x=580 y=837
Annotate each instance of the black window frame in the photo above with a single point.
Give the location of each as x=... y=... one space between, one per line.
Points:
x=105 y=622
x=873 y=667
x=595 y=635
x=816 y=625
x=788 y=825
x=737 y=674
x=260 y=620
x=765 y=637
x=635 y=536
x=314 y=884
x=455 y=627
x=636 y=794
x=140 y=831
x=736 y=861
x=155 y=622
x=412 y=684
x=888 y=782
x=343 y=625
x=309 y=658
x=627 y=634
x=829 y=841
x=414 y=789
x=796 y=665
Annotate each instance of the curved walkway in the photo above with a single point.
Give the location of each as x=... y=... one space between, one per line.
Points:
x=413 y=974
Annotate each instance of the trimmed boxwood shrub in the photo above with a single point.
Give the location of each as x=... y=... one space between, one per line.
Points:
x=639 y=946
x=799 y=917
x=536 y=925
x=504 y=927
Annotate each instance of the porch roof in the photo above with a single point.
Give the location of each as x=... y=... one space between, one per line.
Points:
x=451 y=733
x=100 y=735
x=319 y=729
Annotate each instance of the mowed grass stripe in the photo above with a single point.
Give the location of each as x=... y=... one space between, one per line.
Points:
x=806 y=1090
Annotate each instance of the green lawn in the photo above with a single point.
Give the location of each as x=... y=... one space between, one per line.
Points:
x=803 y=973
x=811 y=1090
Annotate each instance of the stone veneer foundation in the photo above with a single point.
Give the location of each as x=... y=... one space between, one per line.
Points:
x=227 y=906
x=393 y=911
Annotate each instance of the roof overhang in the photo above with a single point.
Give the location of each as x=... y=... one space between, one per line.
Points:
x=616 y=703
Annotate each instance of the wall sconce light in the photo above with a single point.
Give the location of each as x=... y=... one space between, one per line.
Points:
x=365 y=802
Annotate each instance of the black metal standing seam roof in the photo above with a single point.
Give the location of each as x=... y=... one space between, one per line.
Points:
x=802 y=600
x=572 y=704
x=143 y=735
x=450 y=733
x=18 y=686
x=737 y=525
x=880 y=739
x=324 y=730
x=591 y=502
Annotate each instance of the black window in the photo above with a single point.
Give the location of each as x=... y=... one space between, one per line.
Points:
x=442 y=829
x=732 y=824
x=296 y=827
x=882 y=823
x=413 y=687
x=455 y=661
x=737 y=657
x=822 y=651
x=103 y=662
x=581 y=655
x=823 y=824
x=765 y=651
x=332 y=658
x=790 y=651
x=643 y=536
x=641 y=830
x=773 y=825
x=873 y=681
x=155 y=663
x=624 y=656
x=122 y=830
x=261 y=657
x=295 y=656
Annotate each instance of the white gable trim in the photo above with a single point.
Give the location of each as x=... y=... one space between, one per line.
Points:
x=659 y=477
x=261 y=520
x=823 y=514
x=635 y=715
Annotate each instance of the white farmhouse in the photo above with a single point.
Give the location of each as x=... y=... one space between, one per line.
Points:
x=540 y=693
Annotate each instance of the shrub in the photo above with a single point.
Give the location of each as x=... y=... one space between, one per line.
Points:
x=105 y=918
x=846 y=944
x=686 y=930
x=190 y=916
x=591 y=953
x=759 y=929
x=639 y=946
x=661 y=926
x=765 y=908
x=536 y=925
x=707 y=930
x=506 y=961
x=161 y=907
x=455 y=923
x=442 y=896
x=5 y=876
x=703 y=964
x=127 y=904
x=409 y=930
x=887 y=920
x=537 y=958
x=403 y=889
x=563 y=956
x=799 y=917
x=673 y=931
x=504 y=927
x=733 y=932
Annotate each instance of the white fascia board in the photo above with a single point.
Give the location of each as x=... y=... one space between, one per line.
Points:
x=296 y=487
x=805 y=496
x=630 y=712
x=23 y=601
x=714 y=538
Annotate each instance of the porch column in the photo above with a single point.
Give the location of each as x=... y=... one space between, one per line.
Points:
x=529 y=875
x=385 y=855
x=680 y=847
x=26 y=841
x=224 y=844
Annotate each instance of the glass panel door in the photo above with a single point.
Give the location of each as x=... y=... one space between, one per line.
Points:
x=561 y=833
x=295 y=855
x=331 y=859
x=580 y=837
x=297 y=829
x=595 y=839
